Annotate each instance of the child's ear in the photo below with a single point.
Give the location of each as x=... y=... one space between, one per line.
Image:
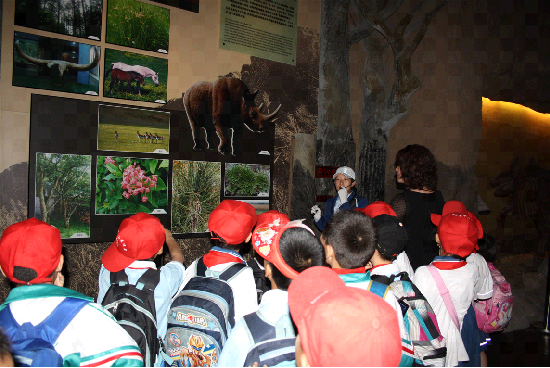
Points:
x=3 y=273
x=59 y=265
x=268 y=271
x=249 y=237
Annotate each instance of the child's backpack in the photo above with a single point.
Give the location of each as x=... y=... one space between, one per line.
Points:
x=273 y=344
x=429 y=346
x=133 y=306
x=493 y=314
x=33 y=346
x=201 y=317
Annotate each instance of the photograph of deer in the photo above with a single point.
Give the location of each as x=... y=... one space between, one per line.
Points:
x=135 y=77
x=139 y=25
x=53 y=64
x=63 y=193
x=73 y=18
x=126 y=129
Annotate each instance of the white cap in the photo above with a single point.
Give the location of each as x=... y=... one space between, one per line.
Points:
x=347 y=171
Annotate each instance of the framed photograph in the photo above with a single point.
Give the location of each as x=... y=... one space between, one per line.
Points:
x=260 y=205
x=125 y=129
x=135 y=77
x=57 y=65
x=73 y=18
x=63 y=192
x=195 y=193
x=246 y=180
x=139 y=25
x=126 y=185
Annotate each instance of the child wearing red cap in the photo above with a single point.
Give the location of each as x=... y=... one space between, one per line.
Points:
x=349 y=240
x=231 y=224
x=139 y=240
x=287 y=250
x=30 y=255
x=457 y=234
x=339 y=326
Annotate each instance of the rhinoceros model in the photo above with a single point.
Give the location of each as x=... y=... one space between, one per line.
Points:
x=219 y=106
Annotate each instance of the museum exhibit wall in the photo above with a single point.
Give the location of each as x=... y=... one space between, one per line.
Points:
x=193 y=56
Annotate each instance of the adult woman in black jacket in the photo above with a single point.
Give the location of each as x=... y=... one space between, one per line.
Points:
x=415 y=167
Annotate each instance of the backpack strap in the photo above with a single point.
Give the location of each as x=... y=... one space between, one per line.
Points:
x=444 y=292
x=119 y=278
x=259 y=329
x=384 y=279
x=226 y=275
x=149 y=280
x=378 y=288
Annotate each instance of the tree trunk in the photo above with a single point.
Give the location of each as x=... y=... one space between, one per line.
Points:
x=335 y=144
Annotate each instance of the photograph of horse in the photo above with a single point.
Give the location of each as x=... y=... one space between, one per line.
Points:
x=149 y=73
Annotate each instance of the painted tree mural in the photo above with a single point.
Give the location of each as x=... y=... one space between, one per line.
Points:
x=379 y=25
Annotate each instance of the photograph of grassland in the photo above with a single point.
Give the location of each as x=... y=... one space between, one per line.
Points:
x=127 y=185
x=63 y=192
x=195 y=193
x=136 y=77
x=126 y=129
x=246 y=180
x=54 y=64
x=135 y=24
x=73 y=18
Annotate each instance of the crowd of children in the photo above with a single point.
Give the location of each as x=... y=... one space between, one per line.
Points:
x=348 y=298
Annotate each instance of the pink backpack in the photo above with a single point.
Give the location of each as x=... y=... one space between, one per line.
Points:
x=493 y=314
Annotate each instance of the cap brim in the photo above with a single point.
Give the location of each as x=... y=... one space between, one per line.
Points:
x=309 y=286
x=115 y=261
x=436 y=219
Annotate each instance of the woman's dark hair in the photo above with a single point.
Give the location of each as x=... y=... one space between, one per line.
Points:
x=488 y=247
x=352 y=237
x=418 y=167
x=300 y=250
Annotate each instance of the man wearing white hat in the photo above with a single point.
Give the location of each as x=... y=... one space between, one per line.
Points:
x=346 y=199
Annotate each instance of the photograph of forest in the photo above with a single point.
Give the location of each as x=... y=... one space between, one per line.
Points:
x=63 y=192
x=195 y=193
x=78 y=18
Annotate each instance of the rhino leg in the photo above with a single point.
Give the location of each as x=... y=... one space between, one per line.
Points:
x=209 y=134
x=222 y=147
x=236 y=140
x=194 y=131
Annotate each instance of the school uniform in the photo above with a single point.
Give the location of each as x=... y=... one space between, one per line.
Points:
x=334 y=205
x=484 y=286
x=404 y=265
x=274 y=306
x=243 y=284
x=92 y=338
x=460 y=279
x=360 y=279
x=171 y=278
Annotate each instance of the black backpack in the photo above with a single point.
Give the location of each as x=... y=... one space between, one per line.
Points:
x=273 y=344
x=201 y=317
x=133 y=306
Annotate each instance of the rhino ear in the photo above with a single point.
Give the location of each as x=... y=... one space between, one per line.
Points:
x=253 y=94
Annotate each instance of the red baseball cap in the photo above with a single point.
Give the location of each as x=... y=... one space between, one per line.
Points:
x=232 y=221
x=377 y=208
x=139 y=237
x=458 y=229
x=265 y=240
x=271 y=217
x=332 y=319
x=31 y=244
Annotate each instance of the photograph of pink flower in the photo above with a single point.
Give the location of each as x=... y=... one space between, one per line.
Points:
x=130 y=185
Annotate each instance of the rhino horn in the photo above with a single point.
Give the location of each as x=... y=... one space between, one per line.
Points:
x=272 y=115
x=261 y=107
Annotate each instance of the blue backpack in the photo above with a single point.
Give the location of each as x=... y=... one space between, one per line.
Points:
x=273 y=344
x=201 y=317
x=33 y=346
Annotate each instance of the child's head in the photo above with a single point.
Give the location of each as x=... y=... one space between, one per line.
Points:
x=140 y=237
x=344 y=177
x=6 y=358
x=392 y=236
x=332 y=319
x=30 y=252
x=457 y=229
x=231 y=223
x=272 y=217
x=488 y=247
x=349 y=239
x=287 y=250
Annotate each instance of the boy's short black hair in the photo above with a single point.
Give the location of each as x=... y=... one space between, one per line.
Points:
x=300 y=250
x=220 y=242
x=5 y=345
x=352 y=236
x=488 y=247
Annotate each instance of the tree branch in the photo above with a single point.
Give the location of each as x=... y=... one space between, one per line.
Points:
x=422 y=31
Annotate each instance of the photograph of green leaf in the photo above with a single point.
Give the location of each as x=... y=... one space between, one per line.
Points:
x=135 y=24
x=246 y=180
x=131 y=185
x=195 y=193
x=63 y=192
